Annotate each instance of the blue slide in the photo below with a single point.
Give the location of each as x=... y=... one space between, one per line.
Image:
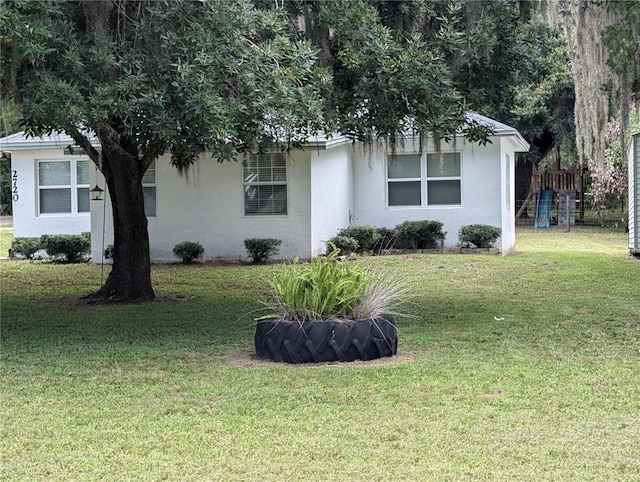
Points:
x=543 y=209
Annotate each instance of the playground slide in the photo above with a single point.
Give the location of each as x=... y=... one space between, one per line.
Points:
x=543 y=208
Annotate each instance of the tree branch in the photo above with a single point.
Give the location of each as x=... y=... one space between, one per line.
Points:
x=83 y=141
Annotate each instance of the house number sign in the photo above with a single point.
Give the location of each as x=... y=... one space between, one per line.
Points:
x=14 y=186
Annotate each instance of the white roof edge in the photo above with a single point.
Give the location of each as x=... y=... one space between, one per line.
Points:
x=326 y=142
x=500 y=129
x=525 y=145
x=517 y=137
x=19 y=140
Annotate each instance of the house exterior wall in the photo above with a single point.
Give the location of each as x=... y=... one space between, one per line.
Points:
x=331 y=194
x=206 y=206
x=508 y=197
x=484 y=173
x=331 y=184
x=634 y=195
x=27 y=221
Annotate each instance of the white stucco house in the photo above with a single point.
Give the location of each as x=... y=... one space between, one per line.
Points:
x=303 y=197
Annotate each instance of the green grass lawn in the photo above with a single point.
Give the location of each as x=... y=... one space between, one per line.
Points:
x=509 y=368
x=6 y=237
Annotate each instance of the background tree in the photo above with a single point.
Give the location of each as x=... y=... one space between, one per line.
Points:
x=149 y=77
x=497 y=57
x=514 y=68
x=604 y=47
x=389 y=64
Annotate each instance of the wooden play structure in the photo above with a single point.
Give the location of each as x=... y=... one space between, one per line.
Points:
x=564 y=186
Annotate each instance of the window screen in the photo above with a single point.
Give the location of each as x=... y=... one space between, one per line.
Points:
x=443 y=179
x=404 y=180
x=149 y=190
x=265 y=186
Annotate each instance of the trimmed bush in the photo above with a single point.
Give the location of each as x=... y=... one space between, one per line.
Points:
x=386 y=239
x=420 y=234
x=26 y=246
x=188 y=251
x=365 y=235
x=346 y=244
x=69 y=248
x=260 y=249
x=479 y=235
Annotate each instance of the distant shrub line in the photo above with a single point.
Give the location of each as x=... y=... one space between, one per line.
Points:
x=409 y=235
x=65 y=248
x=74 y=248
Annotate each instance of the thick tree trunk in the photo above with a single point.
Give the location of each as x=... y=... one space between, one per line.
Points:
x=130 y=276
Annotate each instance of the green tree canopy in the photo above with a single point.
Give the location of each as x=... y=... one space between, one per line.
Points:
x=152 y=77
x=390 y=66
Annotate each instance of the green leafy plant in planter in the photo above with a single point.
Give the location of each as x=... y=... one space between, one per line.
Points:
x=329 y=310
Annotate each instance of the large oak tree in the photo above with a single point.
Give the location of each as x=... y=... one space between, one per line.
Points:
x=183 y=77
x=154 y=77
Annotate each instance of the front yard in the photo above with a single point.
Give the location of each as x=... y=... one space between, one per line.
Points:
x=509 y=368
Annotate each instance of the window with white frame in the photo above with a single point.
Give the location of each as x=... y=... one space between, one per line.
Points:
x=404 y=174
x=149 y=190
x=443 y=179
x=265 y=184
x=63 y=186
x=431 y=180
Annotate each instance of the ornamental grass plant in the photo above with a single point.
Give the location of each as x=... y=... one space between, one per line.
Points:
x=328 y=288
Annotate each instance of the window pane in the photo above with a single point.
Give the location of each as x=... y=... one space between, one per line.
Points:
x=403 y=166
x=150 y=174
x=54 y=173
x=279 y=174
x=405 y=193
x=447 y=166
x=279 y=199
x=260 y=197
x=264 y=174
x=83 y=200
x=443 y=192
x=250 y=206
x=265 y=199
x=149 y=194
x=55 y=201
x=264 y=168
x=82 y=172
x=277 y=159
x=250 y=165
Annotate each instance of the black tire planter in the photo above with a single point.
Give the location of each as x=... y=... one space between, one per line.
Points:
x=326 y=341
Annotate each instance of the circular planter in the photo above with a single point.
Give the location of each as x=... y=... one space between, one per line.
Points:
x=326 y=341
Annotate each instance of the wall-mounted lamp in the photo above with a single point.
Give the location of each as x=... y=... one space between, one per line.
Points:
x=97 y=194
